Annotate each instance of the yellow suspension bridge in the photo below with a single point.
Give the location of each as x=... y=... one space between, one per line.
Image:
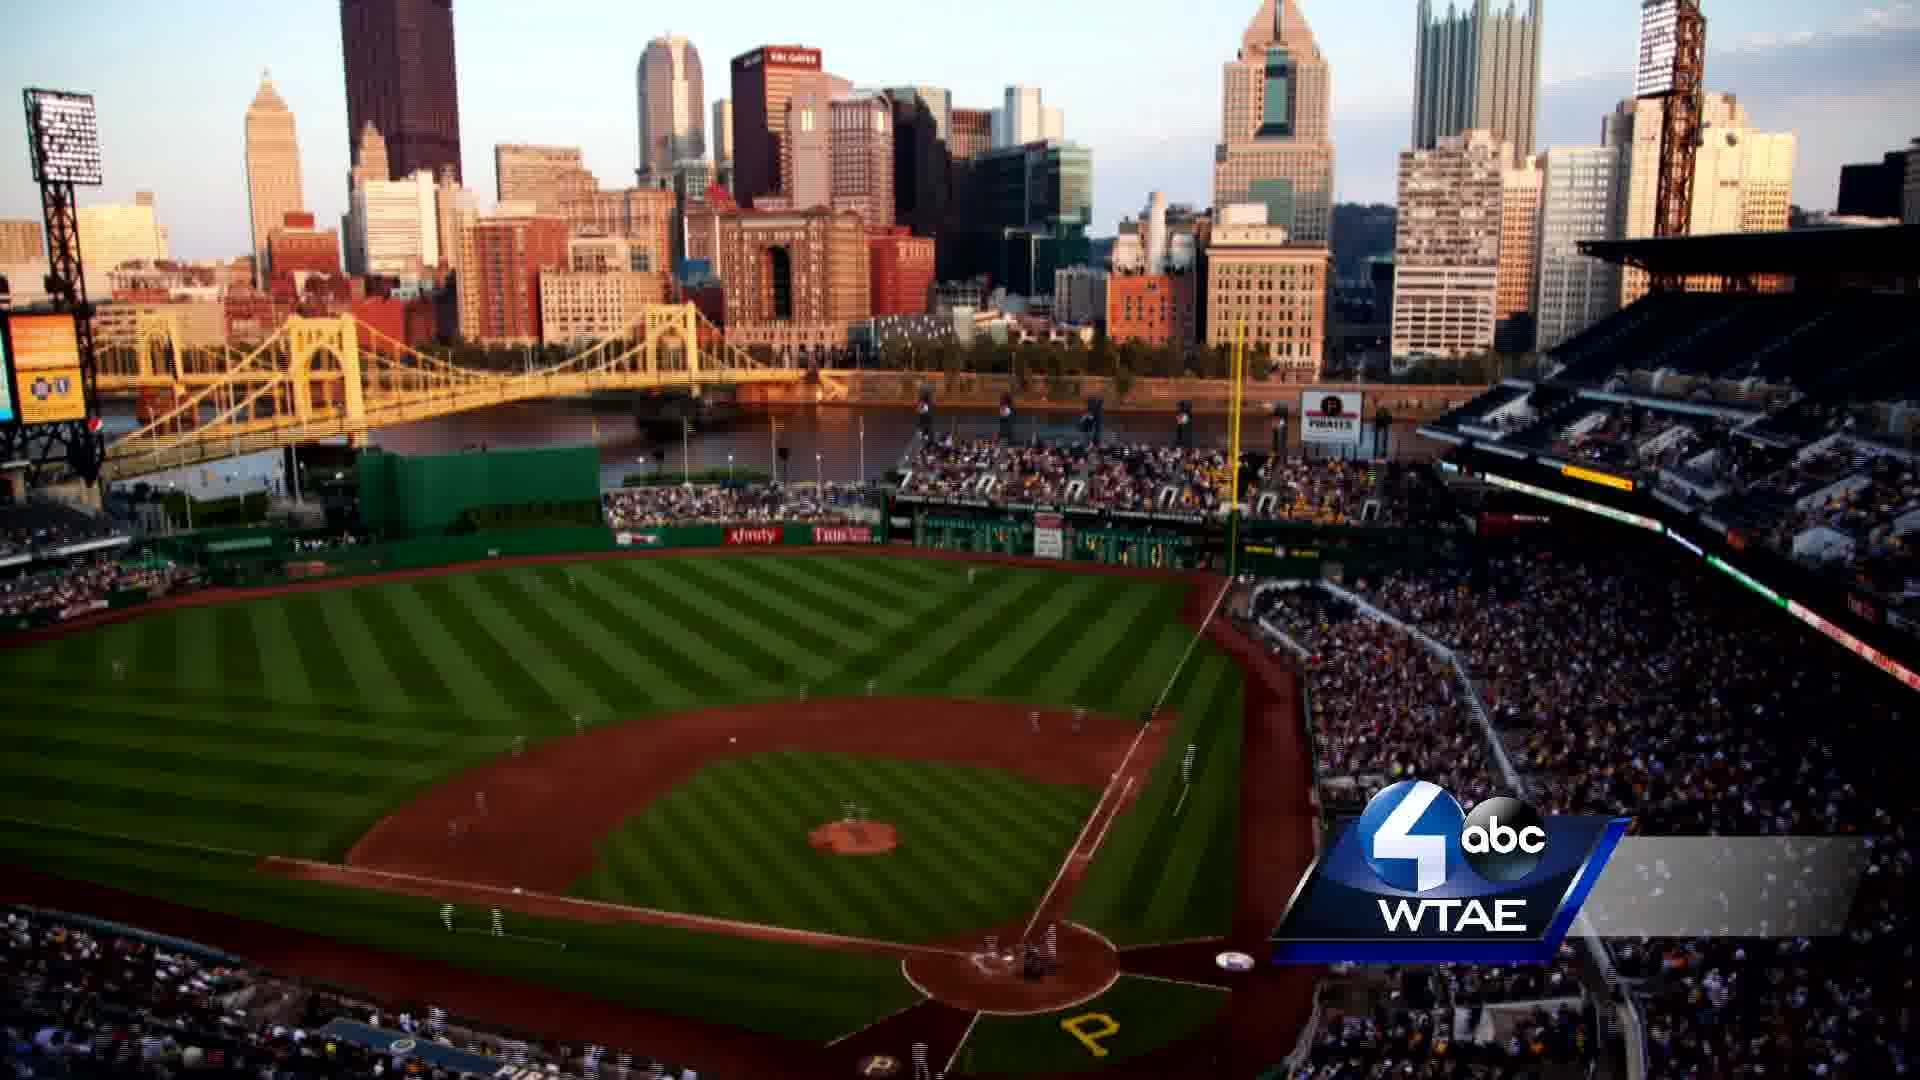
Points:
x=321 y=378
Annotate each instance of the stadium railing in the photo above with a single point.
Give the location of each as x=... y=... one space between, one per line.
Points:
x=1622 y=1017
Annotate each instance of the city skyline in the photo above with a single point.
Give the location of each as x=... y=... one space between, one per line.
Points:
x=1769 y=52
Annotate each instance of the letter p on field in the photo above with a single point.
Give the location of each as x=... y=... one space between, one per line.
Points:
x=1077 y=1026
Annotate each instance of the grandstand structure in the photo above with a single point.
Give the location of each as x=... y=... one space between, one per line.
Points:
x=1780 y=430
x=318 y=378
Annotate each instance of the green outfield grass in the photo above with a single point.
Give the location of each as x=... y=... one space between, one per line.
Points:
x=1150 y=1013
x=981 y=846
x=289 y=725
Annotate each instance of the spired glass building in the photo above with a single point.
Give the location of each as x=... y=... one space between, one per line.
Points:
x=1477 y=68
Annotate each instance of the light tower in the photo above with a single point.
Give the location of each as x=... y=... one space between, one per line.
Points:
x=1673 y=57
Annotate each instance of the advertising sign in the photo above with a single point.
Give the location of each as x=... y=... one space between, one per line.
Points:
x=842 y=534
x=46 y=369
x=760 y=536
x=1330 y=417
x=1049 y=538
x=633 y=539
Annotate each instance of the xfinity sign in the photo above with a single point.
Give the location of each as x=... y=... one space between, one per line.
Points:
x=1417 y=879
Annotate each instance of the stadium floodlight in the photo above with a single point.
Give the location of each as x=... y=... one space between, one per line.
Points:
x=63 y=137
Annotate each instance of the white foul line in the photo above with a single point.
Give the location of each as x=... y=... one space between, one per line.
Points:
x=1183 y=799
x=964 y=1036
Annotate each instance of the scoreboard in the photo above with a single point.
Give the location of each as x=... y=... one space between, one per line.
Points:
x=47 y=383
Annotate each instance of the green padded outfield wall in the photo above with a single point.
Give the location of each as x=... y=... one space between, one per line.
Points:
x=423 y=496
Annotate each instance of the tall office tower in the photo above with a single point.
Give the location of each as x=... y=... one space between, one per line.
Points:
x=971 y=133
x=1276 y=146
x=546 y=176
x=113 y=234
x=1580 y=200
x=1446 y=271
x=764 y=81
x=1476 y=67
x=922 y=165
x=1021 y=119
x=21 y=240
x=1053 y=123
x=1513 y=321
x=394 y=227
x=806 y=154
x=499 y=291
x=862 y=153
x=1743 y=179
x=273 y=170
x=400 y=78
x=1156 y=238
x=672 y=107
x=723 y=140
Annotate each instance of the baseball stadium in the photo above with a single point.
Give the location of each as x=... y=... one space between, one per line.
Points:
x=1007 y=758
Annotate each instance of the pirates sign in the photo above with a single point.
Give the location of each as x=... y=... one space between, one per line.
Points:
x=1330 y=417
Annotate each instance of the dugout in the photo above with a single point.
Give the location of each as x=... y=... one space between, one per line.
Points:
x=433 y=495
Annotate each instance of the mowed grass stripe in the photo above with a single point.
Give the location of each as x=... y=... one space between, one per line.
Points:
x=689 y=613
x=1056 y=663
x=888 y=592
x=263 y=790
x=289 y=681
x=505 y=617
x=153 y=659
x=930 y=872
x=212 y=763
x=236 y=648
x=685 y=832
x=196 y=641
x=203 y=814
x=253 y=716
x=1030 y=641
x=568 y=598
x=473 y=700
x=1152 y=670
x=366 y=659
x=847 y=613
x=603 y=690
x=885 y=656
x=1147 y=642
x=328 y=671
x=772 y=617
x=937 y=656
x=418 y=678
x=627 y=873
x=751 y=832
x=666 y=657
x=520 y=693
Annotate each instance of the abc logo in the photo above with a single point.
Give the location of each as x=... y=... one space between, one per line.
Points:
x=1414 y=837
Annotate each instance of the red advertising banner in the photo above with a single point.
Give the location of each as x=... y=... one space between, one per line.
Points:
x=755 y=537
x=842 y=534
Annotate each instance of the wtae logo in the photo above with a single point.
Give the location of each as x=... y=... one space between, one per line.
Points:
x=1415 y=838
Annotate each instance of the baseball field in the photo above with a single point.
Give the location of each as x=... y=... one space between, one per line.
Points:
x=642 y=746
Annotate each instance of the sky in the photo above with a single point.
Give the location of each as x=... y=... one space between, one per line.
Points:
x=1140 y=83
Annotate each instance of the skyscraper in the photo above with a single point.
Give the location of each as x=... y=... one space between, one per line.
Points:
x=1475 y=67
x=1021 y=120
x=764 y=81
x=862 y=156
x=1446 y=267
x=1276 y=146
x=273 y=171
x=400 y=77
x=723 y=139
x=546 y=176
x=1513 y=328
x=1580 y=200
x=672 y=106
x=922 y=155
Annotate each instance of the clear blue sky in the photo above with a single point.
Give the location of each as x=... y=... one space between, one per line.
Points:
x=1139 y=81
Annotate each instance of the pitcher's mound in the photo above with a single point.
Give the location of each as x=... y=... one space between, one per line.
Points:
x=855 y=837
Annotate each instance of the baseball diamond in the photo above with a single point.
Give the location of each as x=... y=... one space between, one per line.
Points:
x=616 y=756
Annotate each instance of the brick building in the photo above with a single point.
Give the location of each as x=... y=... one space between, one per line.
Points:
x=1153 y=309
x=296 y=246
x=793 y=279
x=641 y=216
x=862 y=152
x=970 y=132
x=902 y=270
x=499 y=284
x=410 y=322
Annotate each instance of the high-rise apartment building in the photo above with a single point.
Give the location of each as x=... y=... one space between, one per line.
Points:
x=862 y=151
x=273 y=171
x=794 y=280
x=394 y=227
x=1580 y=201
x=1259 y=280
x=764 y=83
x=501 y=259
x=1477 y=67
x=970 y=133
x=1276 y=146
x=1743 y=179
x=1447 y=249
x=400 y=78
x=1513 y=322
x=672 y=106
x=21 y=240
x=546 y=176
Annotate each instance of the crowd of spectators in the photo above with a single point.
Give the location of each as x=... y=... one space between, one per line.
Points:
x=80 y=585
x=1408 y=1034
x=758 y=504
x=82 y=1000
x=1160 y=478
x=1624 y=685
x=39 y=526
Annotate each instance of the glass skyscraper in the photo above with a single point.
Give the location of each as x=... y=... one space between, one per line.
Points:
x=1477 y=68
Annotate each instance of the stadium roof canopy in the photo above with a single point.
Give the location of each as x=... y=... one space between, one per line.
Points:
x=1891 y=249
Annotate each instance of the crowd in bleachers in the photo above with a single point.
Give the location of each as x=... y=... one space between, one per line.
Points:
x=1623 y=686
x=79 y=585
x=40 y=526
x=1159 y=478
x=82 y=1001
x=1413 y=1031
x=758 y=504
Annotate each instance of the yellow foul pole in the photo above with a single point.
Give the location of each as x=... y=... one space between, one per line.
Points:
x=1233 y=427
